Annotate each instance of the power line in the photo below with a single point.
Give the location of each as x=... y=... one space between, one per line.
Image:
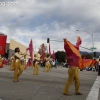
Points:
x=73 y=44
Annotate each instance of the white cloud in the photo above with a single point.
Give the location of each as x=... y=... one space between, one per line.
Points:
x=54 y=19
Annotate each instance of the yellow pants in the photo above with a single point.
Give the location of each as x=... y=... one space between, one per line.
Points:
x=18 y=70
x=73 y=76
x=24 y=65
x=47 y=67
x=35 y=72
x=0 y=63
x=12 y=66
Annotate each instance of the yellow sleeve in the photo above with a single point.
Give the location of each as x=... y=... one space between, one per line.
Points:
x=12 y=58
x=18 y=55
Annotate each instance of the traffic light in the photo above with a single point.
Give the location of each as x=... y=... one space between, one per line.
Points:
x=48 y=40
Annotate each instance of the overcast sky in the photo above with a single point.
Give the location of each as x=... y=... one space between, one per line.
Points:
x=38 y=20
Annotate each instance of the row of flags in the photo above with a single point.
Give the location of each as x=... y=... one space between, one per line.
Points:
x=31 y=51
x=72 y=54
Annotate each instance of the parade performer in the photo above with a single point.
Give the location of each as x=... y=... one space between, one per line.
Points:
x=35 y=66
x=99 y=68
x=26 y=63
x=74 y=60
x=12 y=62
x=1 y=62
x=18 y=67
x=47 y=65
x=4 y=61
x=35 y=63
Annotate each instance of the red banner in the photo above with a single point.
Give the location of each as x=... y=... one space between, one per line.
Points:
x=73 y=55
x=2 y=44
x=89 y=62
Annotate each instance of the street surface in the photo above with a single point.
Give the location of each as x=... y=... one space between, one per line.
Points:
x=45 y=86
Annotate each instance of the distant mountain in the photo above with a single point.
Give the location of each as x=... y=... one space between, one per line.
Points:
x=96 y=54
x=83 y=52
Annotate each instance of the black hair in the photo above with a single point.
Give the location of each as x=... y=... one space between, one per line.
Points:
x=16 y=49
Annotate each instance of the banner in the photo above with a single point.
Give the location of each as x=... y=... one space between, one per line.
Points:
x=89 y=62
x=30 y=48
x=43 y=52
x=73 y=55
x=49 y=49
x=78 y=43
x=3 y=39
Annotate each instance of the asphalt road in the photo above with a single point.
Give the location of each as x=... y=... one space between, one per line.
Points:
x=45 y=86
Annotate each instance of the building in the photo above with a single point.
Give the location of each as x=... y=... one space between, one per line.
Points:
x=10 y=47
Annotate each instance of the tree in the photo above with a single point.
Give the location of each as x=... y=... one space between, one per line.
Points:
x=60 y=56
x=40 y=49
x=87 y=56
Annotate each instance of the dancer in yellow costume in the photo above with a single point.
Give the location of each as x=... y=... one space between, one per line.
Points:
x=0 y=61
x=47 y=65
x=35 y=66
x=18 y=67
x=12 y=63
x=72 y=71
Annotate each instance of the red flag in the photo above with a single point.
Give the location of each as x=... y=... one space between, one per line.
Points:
x=73 y=55
x=49 y=49
x=89 y=62
x=30 y=48
x=43 y=52
x=78 y=43
x=76 y=47
x=54 y=55
x=93 y=63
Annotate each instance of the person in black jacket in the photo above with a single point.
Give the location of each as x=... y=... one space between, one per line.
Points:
x=99 y=68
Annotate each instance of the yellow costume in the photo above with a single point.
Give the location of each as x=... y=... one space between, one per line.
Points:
x=73 y=75
x=36 y=68
x=12 y=63
x=18 y=67
x=35 y=65
x=47 y=65
x=0 y=61
x=24 y=64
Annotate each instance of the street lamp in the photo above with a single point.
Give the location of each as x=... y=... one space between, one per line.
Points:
x=90 y=34
x=94 y=53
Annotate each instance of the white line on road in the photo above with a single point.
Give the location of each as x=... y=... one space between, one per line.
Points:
x=93 y=95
